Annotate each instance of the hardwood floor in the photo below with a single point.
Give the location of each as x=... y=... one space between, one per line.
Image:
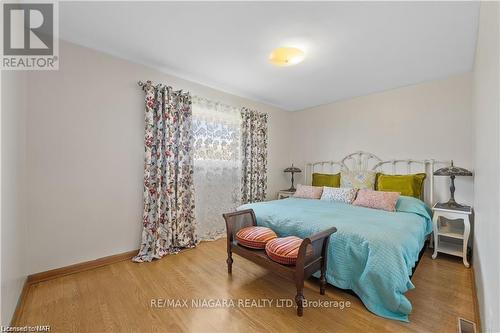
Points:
x=117 y=298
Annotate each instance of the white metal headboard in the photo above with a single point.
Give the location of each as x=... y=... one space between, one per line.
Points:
x=364 y=161
x=360 y=161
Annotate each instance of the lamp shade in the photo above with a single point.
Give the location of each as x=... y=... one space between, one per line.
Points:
x=452 y=171
x=292 y=169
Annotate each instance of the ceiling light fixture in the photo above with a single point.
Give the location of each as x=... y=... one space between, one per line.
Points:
x=286 y=56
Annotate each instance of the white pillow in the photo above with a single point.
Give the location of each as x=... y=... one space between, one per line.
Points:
x=359 y=180
x=339 y=194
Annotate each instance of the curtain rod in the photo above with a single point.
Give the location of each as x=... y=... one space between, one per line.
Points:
x=143 y=84
x=148 y=83
x=216 y=102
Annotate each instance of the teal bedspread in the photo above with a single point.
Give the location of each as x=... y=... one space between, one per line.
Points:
x=372 y=252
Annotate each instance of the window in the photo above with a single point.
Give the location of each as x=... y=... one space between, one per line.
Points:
x=217 y=165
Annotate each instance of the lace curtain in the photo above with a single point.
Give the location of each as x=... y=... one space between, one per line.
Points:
x=217 y=165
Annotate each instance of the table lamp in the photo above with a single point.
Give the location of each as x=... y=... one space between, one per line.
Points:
x=452 y=171
x=292 y=170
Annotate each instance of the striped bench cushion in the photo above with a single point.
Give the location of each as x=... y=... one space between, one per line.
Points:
x=255 y=237
x=284 y=250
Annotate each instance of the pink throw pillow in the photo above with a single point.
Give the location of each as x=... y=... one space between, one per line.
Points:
x=308 y=192
x=377 y=199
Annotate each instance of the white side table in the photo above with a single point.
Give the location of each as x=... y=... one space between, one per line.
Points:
x=444 y=232
x=283 y=194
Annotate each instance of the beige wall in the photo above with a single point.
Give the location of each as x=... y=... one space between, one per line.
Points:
x=85 y=155
x=486 y=88
x=13 y=227
x=431 y=120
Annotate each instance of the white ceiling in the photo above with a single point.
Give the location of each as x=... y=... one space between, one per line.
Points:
x=352 y=48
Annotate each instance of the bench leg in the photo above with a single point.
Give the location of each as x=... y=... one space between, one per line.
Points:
x=322 y=281
x=229 y=262
x=299 y=298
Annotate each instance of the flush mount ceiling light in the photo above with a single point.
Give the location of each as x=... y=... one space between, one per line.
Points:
x=286 y=56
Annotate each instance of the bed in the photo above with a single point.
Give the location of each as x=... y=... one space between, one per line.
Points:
x=374 y=251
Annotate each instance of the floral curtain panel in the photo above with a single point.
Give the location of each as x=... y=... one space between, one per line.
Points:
x=254 y=154
x=217 y=165
x=168 y=217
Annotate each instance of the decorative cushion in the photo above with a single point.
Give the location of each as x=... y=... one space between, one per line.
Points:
x=326 y=179
x=341 y=194
x=308 y=192
x=377 y=200
x=255 y=237
x=409 y=185
x=284 y=250
x=357 y=179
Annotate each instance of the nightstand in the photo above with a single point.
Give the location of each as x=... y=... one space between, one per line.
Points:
x=283 y=194
x=451 y=236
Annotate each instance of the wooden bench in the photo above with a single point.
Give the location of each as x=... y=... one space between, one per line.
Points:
x=312 y=256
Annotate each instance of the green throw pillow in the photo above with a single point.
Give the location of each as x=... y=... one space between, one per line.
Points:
x=326 y=179
x=409 y=185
